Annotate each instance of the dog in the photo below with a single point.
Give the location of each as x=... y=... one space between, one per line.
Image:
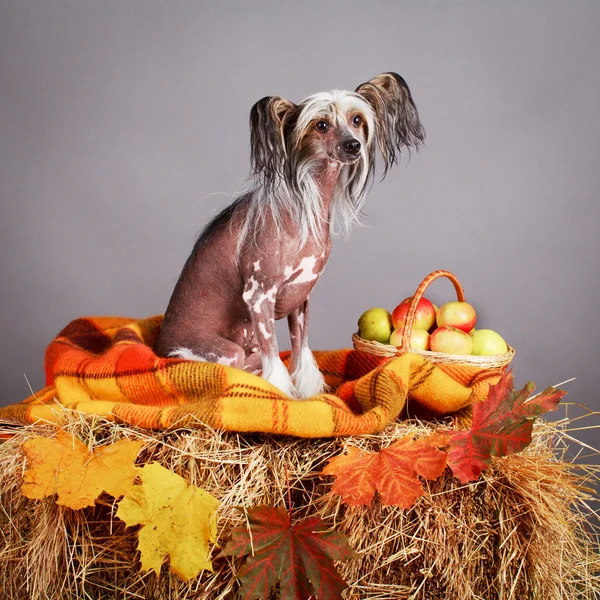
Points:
x=258 y=260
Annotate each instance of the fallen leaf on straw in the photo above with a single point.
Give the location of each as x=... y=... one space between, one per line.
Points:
x=177 y=519
x=299 y=556
x=66 y=467
x=394 y=471
x=502 y=425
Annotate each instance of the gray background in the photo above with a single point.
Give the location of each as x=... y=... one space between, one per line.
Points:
x=124 y=127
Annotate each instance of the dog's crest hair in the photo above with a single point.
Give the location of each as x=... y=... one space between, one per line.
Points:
x=284 y=182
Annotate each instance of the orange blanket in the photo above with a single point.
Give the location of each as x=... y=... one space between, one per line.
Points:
x=106 y=366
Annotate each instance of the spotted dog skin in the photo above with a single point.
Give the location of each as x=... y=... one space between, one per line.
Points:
x=224 y=307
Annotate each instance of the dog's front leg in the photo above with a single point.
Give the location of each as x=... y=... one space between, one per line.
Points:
x=261 y=307
x=306 y=375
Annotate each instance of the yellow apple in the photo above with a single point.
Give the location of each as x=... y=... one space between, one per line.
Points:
x=375 y=324
x=460 y=315
x=450 y=340
x=487 y=342
x=419 y=338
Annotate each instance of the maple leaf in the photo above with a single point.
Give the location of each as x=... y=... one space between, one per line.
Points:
x=177 y=519
x=299 y=556
x=502 y=425
x=393 y=471
x=66 y=467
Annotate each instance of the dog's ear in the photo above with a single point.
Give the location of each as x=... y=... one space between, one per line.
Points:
x=396 y=117
x=268 y=118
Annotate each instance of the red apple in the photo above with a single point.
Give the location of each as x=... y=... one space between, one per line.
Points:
x=419 y=338
x=424 y=317
x=450 y=340
x=457 y=314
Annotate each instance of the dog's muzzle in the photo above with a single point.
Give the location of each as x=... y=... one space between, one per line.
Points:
x=349 y=150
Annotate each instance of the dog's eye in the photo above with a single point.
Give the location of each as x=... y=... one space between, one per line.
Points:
x=357 y=120
x=322 y=126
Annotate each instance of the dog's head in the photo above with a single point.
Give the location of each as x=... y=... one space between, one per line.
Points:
x=334 y=127
x=330 y=127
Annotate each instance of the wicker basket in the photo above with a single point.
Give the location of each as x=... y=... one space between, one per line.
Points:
x=499 y=361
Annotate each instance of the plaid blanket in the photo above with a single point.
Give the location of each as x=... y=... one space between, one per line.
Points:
x=105 y=366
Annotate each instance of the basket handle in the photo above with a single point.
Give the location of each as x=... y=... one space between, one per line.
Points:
x=410 y=316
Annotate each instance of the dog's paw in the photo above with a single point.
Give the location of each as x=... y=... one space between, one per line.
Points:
x=309 y=388
x=275 y=372
x=307 y=377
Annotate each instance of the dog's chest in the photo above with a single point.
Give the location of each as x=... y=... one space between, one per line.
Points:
x=299 y=277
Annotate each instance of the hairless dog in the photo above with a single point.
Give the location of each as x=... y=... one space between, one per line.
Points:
x=259 y=259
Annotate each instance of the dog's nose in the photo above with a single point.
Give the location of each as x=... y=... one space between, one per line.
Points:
x=351 y=146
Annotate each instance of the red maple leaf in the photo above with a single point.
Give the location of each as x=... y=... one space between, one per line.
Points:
x=502 y=425
x=300 y=556
x=394 y=471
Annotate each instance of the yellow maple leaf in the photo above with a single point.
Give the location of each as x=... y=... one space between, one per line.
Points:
x=177 y=519
x=66 y=467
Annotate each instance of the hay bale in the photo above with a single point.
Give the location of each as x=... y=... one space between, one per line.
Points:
x=523 y=531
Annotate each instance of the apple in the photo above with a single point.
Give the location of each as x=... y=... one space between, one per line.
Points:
x=434 y=326
x=450 y=340
x=375 y=324
x=487 y=342
x=460 y=315
x=419 y=338
x=424 y=316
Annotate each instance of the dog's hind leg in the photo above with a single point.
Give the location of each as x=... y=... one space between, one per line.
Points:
x=216 y=350
x=305 y=375
x=253 y=362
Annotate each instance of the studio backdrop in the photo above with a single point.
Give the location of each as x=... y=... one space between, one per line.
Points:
x=124 y=129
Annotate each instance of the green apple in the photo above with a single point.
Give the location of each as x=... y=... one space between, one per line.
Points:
x=450 y=340
x=419 y=338
x=375 y=324
x=487 y=342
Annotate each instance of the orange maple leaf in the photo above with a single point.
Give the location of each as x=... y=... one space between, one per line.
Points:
x=394 y=471
x=66 y=467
